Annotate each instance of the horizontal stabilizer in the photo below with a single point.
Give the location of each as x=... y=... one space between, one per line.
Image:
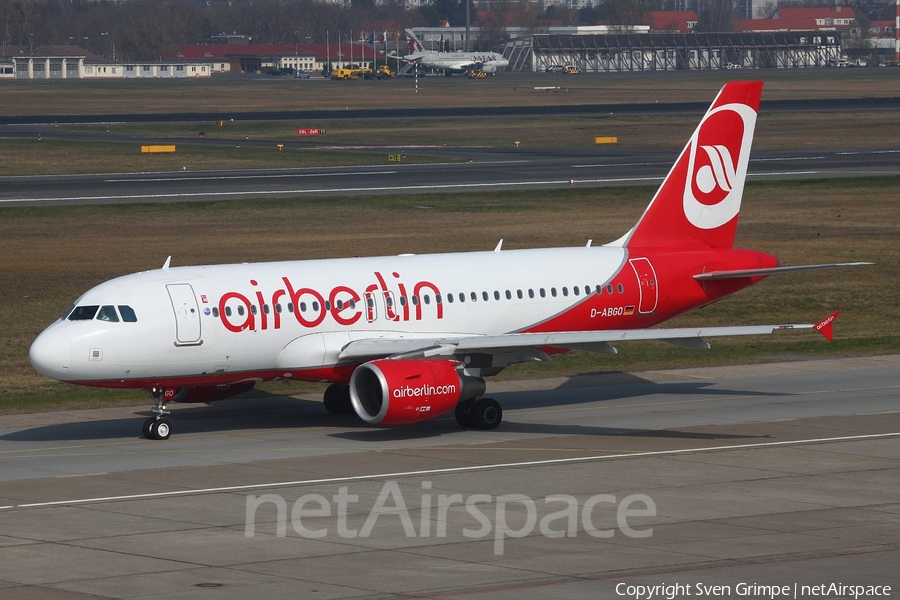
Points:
x=737 y=274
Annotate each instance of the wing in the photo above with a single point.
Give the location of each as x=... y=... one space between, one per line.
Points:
x=505 y=349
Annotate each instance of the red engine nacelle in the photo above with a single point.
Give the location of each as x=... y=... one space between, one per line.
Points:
x=187 y=395
x=400 y=392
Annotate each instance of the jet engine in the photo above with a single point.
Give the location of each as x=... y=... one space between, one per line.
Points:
x=488 y=68
x=400 y=392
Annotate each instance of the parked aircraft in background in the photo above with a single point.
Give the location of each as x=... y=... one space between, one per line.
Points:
x=453 y=62
x=408 y=338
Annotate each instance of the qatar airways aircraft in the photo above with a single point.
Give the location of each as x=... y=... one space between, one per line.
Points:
x=453 y=62
x=407 y=338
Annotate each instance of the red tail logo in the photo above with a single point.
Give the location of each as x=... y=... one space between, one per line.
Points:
x=698 y=203
x=719 y=154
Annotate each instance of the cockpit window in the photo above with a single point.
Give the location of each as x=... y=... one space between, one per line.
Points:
x=108 y=314
x=83 y=313
x=127 y=314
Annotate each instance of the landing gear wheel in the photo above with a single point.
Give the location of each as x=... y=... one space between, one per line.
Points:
x=337 y=399
x=487 y=413
x=464 y=415
x=147 y=425
x=160 y=429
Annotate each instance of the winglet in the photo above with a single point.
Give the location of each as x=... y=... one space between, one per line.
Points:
x=824 y=326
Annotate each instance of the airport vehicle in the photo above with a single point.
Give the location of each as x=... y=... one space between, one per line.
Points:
x=453 y=62
x=407 y=338
x=554 y=69
x=571 y=69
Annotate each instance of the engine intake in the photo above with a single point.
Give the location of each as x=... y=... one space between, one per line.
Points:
x=400 y=392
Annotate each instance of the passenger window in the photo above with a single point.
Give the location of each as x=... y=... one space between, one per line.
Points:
x=620 y=288
x=519 y=294
x=353 y=304
x=437 y=298
x=450 y=298
x=402 y=300
x=290 y=307
x=327 y=305
x=609 y=289
x=315 y=305
x=415 y=300
x=108 y=313
x=553 y=292
x=587 y=290
x=599 y=289
x=303 y=307
x=427 y=299
x=474 y=297
x=531 y=293
x=575 y=290
x=278 y=308
x=253 y=309
x=227 y=311
x=266 y=308
x=485 y=297
x=508 y=295
x=83 y=313
x=543 y=293
x=215 y=312
x=129 y=317
x=462 y=297
x=565 y=291
x=496 y=295
x=241 y=310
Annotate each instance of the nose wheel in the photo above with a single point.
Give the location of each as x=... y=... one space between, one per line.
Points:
x=158 y=427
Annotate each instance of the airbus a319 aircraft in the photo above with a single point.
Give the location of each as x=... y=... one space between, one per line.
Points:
x=453 y=62
x=407 y=338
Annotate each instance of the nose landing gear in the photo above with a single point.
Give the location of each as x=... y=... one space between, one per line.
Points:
x=158 y=427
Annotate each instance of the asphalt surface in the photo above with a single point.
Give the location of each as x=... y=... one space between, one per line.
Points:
x=780 y=474
x=483 y=170
x=800 y=104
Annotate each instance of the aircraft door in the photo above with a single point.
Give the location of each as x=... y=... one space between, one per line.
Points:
x=187 y=314
x=646 y=277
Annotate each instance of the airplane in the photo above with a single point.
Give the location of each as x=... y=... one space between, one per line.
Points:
x=453 y=62
x=407 y=338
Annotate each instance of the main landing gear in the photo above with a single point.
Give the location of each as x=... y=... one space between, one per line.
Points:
x=158 y=427
x=483 y=413
x=337 y=399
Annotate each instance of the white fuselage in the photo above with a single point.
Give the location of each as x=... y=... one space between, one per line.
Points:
x=459 y=61
x=291 y=319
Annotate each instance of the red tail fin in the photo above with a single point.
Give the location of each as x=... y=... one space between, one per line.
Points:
x=698 y=203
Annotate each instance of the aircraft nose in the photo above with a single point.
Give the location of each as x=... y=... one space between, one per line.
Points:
x=51 y=354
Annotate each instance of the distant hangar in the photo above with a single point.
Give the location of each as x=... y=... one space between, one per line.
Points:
x=625 y=52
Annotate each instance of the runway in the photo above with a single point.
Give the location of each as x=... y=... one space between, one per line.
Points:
x=775 y=474
x=480 y=171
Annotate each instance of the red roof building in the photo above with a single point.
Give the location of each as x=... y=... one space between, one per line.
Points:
x=681 y=21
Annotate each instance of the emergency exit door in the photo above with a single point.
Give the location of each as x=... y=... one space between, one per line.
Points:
x=187 y=314
x=646 y=277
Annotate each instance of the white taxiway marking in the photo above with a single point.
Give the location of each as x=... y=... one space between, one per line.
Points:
x=531 y=463
x=235 y=177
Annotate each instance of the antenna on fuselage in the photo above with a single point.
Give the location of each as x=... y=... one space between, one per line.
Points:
x=166 y=265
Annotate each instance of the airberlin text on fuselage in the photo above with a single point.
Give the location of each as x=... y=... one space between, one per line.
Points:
x=344 y=304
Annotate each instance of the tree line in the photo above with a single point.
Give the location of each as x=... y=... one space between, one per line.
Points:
x=153 y=29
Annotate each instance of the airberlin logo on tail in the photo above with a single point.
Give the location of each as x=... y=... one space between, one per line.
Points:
x=718 y=157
